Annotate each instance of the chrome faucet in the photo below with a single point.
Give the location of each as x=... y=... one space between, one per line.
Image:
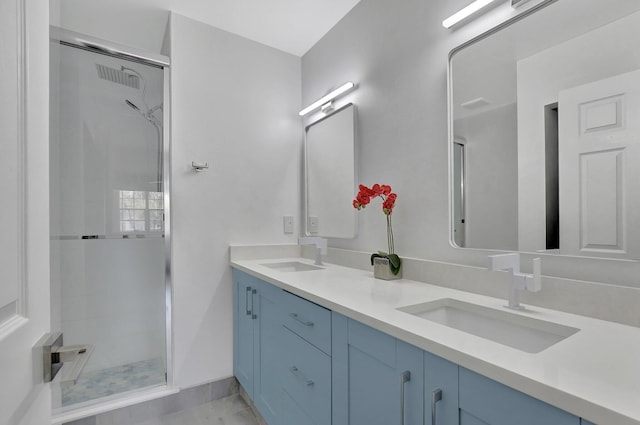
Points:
x=517 y=281
x=321 y=246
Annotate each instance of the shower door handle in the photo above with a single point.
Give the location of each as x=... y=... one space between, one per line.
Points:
x=55 y=355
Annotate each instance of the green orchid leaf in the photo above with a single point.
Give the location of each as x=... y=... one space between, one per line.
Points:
x=395 y=263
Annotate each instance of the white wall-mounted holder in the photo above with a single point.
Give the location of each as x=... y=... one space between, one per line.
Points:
x=199 y=166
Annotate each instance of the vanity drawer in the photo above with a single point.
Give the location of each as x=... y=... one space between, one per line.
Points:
x=307 y=377
x=308 y=320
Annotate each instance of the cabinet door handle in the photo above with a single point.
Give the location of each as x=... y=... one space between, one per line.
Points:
x=294 y=370
x=436 y=396
x=404 y=378
x=295 y=317
x=246 y=300
x=253 y=292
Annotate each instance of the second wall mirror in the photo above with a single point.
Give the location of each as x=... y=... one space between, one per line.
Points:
x=547 y=107
x=330 y=175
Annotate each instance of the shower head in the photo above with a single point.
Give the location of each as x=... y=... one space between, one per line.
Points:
x=119 y=76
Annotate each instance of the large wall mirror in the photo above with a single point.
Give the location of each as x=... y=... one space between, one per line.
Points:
x=545 y=132
x=330 y=175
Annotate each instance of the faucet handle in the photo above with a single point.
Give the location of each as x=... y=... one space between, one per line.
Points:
x=533 y=282
x=319 y=242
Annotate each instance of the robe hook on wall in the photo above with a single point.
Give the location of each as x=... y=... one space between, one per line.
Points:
x=198 y=166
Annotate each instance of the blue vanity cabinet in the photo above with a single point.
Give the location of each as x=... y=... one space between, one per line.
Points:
x=306 y=358
x=440 y=391
x=483 y=401
x=303 y=364
x=267 y=351
x=244 y=288
x=258 y=342
x=377 y=379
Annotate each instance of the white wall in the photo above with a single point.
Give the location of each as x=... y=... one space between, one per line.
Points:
x=491 y=182
x=234 y=104
x=598 y=54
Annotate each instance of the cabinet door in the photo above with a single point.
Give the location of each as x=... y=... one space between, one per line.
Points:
x=267 y=343
x=484 y=401
x=376 y=378
x=292 y=414
x=441 y=391
x=244 y=285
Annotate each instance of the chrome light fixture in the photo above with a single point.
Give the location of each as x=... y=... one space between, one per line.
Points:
x=328 y=99
x=465 y=12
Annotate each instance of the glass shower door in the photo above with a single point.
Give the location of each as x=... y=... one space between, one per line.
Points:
x=108 y=258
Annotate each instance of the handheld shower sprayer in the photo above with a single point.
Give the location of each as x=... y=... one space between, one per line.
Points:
x=133 y=105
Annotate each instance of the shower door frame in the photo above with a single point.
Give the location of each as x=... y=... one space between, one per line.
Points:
x=103 y=47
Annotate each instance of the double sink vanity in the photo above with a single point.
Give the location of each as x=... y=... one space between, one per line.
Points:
x=332 y=345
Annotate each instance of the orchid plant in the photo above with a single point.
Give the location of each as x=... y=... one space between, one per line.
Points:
x=382 y=191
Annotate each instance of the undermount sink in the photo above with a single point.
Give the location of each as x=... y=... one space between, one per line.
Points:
x=521 y=332
x=292 y=266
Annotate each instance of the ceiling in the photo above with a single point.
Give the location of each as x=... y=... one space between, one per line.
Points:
x=293 y=26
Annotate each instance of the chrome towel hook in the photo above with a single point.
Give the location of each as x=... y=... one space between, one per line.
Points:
x=198 y=166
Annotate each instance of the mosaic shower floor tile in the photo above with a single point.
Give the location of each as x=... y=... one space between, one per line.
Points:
x=106 y=382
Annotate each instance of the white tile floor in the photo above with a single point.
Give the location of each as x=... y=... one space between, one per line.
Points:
x=232 y=410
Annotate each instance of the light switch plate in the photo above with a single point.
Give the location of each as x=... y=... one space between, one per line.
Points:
x=313 y=224
x=288 y=223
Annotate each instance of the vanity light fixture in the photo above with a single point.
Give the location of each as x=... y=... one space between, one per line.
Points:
x=465 y=12
x=324 y=100
x=518 y=3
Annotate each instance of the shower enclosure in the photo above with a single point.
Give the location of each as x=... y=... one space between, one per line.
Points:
x=109 y=216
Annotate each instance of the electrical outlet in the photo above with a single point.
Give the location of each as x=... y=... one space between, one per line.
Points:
x=288 y=223
x=313 y=224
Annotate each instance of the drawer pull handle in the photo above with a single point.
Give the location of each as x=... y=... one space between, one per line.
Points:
x=294 y=370
x=295 y=317
x=404 y=378
x=246 y=300
x=436 y=396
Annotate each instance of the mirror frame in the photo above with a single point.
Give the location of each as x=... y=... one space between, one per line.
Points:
x=579 y=269
x=450 y=131
x=305 y=187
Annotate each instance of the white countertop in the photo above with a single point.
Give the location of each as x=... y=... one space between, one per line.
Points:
x=594 y=374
